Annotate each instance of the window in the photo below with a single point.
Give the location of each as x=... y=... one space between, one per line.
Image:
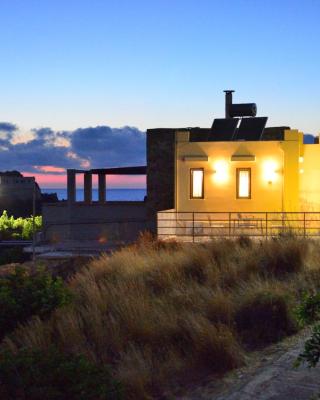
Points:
x=243 y=183
x=196 y=185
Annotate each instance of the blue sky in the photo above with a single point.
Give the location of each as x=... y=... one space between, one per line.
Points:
x=78 y=63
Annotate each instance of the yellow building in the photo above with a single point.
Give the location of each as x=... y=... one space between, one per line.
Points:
x=247 y=176
x=263 y=180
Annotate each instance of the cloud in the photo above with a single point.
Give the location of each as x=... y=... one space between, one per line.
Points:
x=6 y=131
x=107 y=147
x=7 y=127
x=92 y=147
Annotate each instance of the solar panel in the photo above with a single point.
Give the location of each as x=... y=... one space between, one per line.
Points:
x=251 y=128
x=223 y=129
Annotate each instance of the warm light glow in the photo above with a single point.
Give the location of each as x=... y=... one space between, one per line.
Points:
x=301 y=170
x=300 y=159
x=197 y=183
x=270 y=171
x=221 y=171
x=244 y=183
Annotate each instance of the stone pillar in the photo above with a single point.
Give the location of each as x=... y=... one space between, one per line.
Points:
x=87 y=187
x=71 y=185
x=102 y=188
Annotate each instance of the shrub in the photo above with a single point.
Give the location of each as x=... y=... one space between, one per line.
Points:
x=23 y=295
x=12 y=255
x=220 y=308
x=209 y=345
x=244 y=241
x=308 y=310
x=149 y=241
x=264 y=318
x=52 y=375
x=158 y=314
x=311 y=352
x=18 y=228
x=282 y=256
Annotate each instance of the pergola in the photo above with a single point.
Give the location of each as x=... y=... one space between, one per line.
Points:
x=101 y=172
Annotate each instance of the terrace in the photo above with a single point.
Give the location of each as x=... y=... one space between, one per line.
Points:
x=202 y=226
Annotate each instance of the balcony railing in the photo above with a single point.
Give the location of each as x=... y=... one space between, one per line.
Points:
x=201 y=226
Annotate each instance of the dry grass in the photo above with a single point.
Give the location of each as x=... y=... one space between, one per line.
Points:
x=157 y=311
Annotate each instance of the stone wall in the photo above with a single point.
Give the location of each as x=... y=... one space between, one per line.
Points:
x=114 y=222
x=160 y=170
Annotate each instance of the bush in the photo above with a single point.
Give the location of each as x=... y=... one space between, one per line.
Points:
x=52 y=375
x=264 y=318
x=159 y=314
x=10 y=255
x=18 y=228
x=282 y=256
x=311 y=352
x=23 y=295
x=308 y=310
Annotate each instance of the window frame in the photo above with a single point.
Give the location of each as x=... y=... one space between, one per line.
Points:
x=237 y=186
x=191 y=184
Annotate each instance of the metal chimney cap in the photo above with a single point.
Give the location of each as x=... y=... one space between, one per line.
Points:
x=229 y=91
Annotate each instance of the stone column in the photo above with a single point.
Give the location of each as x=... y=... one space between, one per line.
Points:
x=102 y=188
x=71 y=185
x=87 y=187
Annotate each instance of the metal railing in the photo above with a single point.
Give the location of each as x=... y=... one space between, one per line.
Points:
x=200 y=226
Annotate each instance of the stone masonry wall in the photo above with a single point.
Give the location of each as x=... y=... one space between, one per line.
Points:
x=160 y=170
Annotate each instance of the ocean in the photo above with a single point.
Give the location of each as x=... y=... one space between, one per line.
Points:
x=111 y=194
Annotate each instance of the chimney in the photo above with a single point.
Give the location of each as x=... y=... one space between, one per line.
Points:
x=228 y=102
x=239 y=110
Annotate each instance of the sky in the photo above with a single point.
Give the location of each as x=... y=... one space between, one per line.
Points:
x=81 y=80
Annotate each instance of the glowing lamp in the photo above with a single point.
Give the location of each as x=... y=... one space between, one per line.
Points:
x=221 y=171
x=270 y=171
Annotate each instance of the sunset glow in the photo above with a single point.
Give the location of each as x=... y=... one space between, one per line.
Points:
x=49 y=168
x=55 y=181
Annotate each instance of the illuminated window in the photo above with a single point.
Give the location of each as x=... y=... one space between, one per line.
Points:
x=196 y=186
x=243 y=183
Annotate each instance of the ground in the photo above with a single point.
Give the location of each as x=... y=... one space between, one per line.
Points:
x=269 y=376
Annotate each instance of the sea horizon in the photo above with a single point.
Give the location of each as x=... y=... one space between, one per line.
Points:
x=116 y=194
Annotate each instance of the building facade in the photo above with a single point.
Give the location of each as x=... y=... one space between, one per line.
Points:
x=237 y=177
x=222 y=185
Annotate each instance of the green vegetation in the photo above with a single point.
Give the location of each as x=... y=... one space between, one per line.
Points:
x=311 y=352
x=18 y=228
x=309 y=312
x=14 y=254
x=52 y=375
x=23 y=295
x=160 y=312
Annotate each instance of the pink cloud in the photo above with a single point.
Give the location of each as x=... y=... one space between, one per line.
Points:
x=49 y=168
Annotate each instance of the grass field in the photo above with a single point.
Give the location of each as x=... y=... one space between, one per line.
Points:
x=160 y=313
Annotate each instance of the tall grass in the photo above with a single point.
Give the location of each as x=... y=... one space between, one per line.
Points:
x=157 y=311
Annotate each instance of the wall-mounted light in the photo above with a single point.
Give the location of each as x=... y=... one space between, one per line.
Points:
x=270 y=171
x=221 y=171
x=300 y=159
x=301 y=170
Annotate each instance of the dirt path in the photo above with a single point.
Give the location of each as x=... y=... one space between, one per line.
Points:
x=269 y=376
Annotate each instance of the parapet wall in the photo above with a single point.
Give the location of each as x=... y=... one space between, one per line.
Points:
x=119 y=221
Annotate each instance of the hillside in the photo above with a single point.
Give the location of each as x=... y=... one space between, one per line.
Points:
x=160 y=315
